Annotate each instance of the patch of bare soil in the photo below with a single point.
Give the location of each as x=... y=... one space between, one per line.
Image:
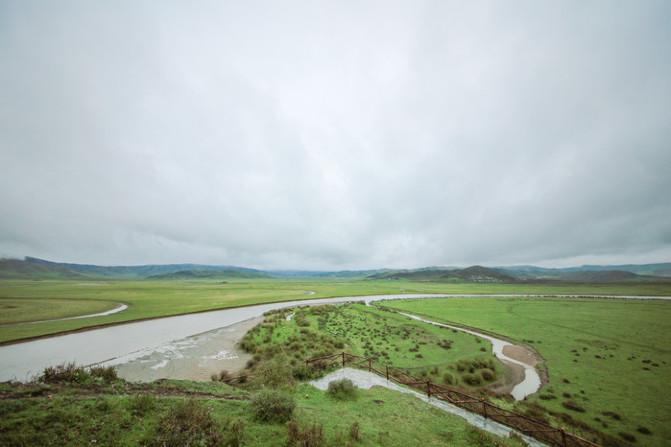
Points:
x=521 y=354
x=193 y=358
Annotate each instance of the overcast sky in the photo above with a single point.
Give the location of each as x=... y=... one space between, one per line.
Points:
x=328 y=135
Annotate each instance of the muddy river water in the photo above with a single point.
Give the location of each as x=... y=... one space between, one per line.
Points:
x=184 y=346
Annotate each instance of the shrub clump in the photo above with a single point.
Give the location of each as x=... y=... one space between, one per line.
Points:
x=106 y=373
x=488 y=375
x=342 y=389
x=142 y=404
x=449 y=379
x=573 y=405
x=277 y=373
x=644 y=430
x=310 y=436
x=189 y=423
x=472 y=379
x=273 y=406
x=627 y=436
x=70 y=373
x=355 y=432
x=223 y=376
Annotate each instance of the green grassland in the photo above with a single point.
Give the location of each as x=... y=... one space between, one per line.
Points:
x=422 y=350
x=609 y=360
x=123 y=414
x=19 y=310
x=150 y=298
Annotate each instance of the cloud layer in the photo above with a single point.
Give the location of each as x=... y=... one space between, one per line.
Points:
x=315 y=134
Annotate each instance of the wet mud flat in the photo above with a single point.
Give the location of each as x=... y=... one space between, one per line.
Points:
x=192 y=358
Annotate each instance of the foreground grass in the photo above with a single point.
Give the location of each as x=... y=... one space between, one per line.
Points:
x=609 y=361
x=22 y=301
x=121 y=414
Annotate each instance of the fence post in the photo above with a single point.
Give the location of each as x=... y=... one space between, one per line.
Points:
x=343 y=359
x=369 y=365
x=428 y=388
x=386 y=369
x=484 y=408
x=563 y=437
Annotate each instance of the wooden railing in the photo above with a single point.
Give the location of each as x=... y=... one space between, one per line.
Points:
x=534 y=428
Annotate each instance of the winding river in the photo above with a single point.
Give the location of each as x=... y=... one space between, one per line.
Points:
x=121 y=344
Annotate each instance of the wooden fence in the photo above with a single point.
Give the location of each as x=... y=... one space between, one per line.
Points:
x=524 y=424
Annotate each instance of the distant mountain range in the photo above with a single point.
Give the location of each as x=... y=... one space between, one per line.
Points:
x=35 y=268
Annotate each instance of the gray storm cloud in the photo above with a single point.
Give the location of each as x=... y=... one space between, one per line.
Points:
x=336 y=134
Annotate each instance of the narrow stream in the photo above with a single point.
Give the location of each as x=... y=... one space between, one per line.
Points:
x=117 y=309
x=531 y=381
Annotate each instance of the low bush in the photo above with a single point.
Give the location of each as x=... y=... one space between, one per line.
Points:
x=449 y=379
x=107 y=373
x=277 y=373
x=612 y=415
x=573 y=405
x=644 y=430
x=223 y=376
x=627 y=436
x=310 y=436
x=488 y=375
x=302 y=372
x=472 y=379
x=235 y=435
x=355 y=432
x=141 y=404
x=71 y=373
x=188 y=423
x=342 y=389
x=302 y=321
x=65 y=373
x=273 y=406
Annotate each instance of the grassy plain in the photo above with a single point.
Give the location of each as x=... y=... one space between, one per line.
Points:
x=149 y=299
x=21 y=310
x=611 y=358
x=120 y=414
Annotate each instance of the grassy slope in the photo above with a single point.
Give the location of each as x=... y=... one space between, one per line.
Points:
x=161 y=298
x=72 y=417
x=628 y=336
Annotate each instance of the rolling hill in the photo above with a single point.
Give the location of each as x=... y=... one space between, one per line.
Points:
x=20 y=269
x=474 y=273
x=210 y=274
